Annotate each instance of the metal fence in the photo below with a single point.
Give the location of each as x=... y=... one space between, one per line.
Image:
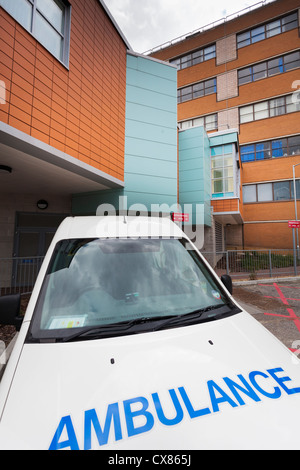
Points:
x=254 y=264
x=18 y=275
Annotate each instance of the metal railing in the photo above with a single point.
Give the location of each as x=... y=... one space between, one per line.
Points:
x=254 y=264
x=18 y=275
x=208 y=26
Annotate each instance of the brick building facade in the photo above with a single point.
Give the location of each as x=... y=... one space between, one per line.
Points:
x=242 y=74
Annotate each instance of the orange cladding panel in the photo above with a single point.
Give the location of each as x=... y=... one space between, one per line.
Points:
x=273 y=169
x=268 y=235
x=225 y=205
x=272 y=211
x=79 y=110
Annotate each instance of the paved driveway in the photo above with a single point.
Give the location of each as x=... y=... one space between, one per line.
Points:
x=275 y=304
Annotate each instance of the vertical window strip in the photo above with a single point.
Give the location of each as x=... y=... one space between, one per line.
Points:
x=222 y=179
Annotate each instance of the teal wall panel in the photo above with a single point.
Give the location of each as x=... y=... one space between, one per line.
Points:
x=152 y=116
x=87 y=203
x=146 y=183
x=194 y=172
x=153 y=150
x=151 y=132
x=155 y=81
x=223 y=139
x=150 y=170
x=150 y=166
x=148 y=97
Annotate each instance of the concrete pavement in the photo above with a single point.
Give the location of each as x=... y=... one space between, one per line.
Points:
x=276 y=304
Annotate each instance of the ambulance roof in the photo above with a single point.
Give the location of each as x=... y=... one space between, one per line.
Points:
x=117 y=226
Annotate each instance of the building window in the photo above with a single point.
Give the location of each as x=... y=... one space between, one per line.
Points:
x=264 y=192
x=282 y=191
x=277 y=107
x=47 y=20
x=271 y=108
x=209 y=122
x=261 y=111
x=283 y=147
x=268 y=30
x=249 y=193
x=194 y=58
x=270 y=192
x=222 y=171
x=269 y=68
x=246 y=114
x=197 y=90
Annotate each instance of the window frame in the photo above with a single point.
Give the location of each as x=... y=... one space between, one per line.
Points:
x=271 y=110
x=247 y=74
x=248 y=37
x=290 y=184
x=270 y=146
x=222 y=153
x=196 y=57
x=273 y=183
x=191 y=90
x=64 y=34
x=208 y=126
x=261 y=194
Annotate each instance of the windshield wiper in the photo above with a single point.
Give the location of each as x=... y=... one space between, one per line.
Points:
x=116 y=328
x=191 y=316
x=142 y=324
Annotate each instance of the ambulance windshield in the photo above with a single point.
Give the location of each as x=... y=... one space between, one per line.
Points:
x=114 y=283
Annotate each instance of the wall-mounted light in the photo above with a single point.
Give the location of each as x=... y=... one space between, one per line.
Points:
x=42 y=204
x=5 y=169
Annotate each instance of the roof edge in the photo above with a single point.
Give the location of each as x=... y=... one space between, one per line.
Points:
x=107 y=11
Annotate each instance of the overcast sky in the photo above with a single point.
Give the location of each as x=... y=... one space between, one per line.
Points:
x=149 y=23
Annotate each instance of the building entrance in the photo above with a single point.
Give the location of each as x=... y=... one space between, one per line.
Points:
x=33 y=235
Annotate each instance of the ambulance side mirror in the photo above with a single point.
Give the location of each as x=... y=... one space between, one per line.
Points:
x=227 y=281
x=10 y=310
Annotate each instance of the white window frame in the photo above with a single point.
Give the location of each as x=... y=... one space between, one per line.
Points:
x=219 y=163
x=274 y=107
x=209 y=122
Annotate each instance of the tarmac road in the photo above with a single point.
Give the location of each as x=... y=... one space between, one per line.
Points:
x=276 y=304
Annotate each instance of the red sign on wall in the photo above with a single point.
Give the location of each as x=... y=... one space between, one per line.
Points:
x=178 y=217
x=294 y=223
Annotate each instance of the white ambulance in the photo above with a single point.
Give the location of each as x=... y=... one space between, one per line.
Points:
x=131 y=341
